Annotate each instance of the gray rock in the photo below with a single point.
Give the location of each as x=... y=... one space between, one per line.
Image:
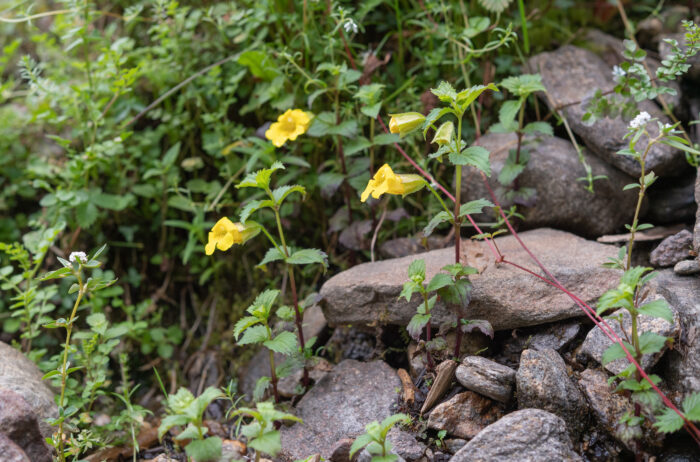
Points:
x=557 y=336
x=404 y=246
x=571 y=76
x=18 y=422
x=405 y=445
x=20 y=375
x=528 y=435
x=682 y=364
x=505 y=296
x=687 y=267
x=11 y=452
x=672 y=249
x=562 y=202
x=291 y=385
x=339 y=406
x=452 y=445
x=607 y=407
x=486 y=377
x=597 y=342
x=543 y=383
x=464 y=415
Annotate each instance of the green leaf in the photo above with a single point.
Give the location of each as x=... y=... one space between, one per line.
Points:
x=507 y=113
x=657 y=309
x=476 y=156
x=438 y=219
x=445 y=92
x=171 y=421
x=538 y=127
x=474 y=207
x=439 y=281
x=495 y=6
x=254 y=334
x=254 y=206
x=308 y=256
x=260 y=388
x=112 y=201
x=261 y=178
x=691 y=407
x=359 y=443
x=523 y=85
x=614 y=352
x=269 y=443
x=467 y=97
x=207 y=450
x=409 y=288
x=281 y=193
x=273 y=254
x=650 y=342
x=416 y=325
x=259 y=64
x=668 y=421
x=433 y=116
x=57 y=274
x=392 y=420
x=416 y=270
x=244 y=323
x=285 y=343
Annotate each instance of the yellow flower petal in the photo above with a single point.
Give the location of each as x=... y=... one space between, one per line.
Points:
x=289 y=126
x=211 y=245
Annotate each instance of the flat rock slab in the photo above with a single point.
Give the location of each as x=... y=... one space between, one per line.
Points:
x=597 y=342
x=543 y=383
x=572 y=75
x=339 y=406
x=672 y=249
x=464 y=415
x=505 y=296
x=528 y=435
x=682 y=364
x=562 y=201
x=486 y=377
x=20 y=375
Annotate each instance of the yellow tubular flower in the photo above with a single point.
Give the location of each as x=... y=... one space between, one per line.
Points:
x=385 y=181
x=406 y=122
x=289 y=125
x=225 y=233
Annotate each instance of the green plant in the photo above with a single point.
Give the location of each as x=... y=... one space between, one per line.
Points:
x=74 y=267
x=375 y=441
x=133 y=415
x=185 y=410
x=256 y=329
x=261 y=431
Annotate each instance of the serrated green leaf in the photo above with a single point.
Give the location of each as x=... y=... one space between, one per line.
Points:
x=538 y=127
x=668 y=421
x=438 y=281
x=657 y=309
x=308 y=256
x=254 y=334
x=206 y=450
x=273 y=254
x=416 y=270
x=476 y=156
x=269 y=443
x=416 y=325
x=691 y=407
x=650 y=342
x=445 y=92
x=508 y=112
x=285 y=343
x=615 y=352
x=244 y=323
x=439 y=218
x=495 y=6
x=474 y=207
x=468 y=96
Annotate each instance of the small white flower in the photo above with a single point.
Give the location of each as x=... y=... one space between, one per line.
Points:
x=78 y=256
x=350 y=26
x=618 y=72
x=641 y=120
x=668 y=126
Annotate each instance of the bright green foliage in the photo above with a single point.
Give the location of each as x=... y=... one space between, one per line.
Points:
x=261 y=433
x=669 y=421
x=184 y=410
x=374 y=438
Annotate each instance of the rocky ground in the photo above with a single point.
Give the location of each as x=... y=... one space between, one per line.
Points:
x=536 y=391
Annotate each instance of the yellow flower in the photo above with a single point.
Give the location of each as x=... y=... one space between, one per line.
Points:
x=443 y=135
x=406 y=122
x=386 y=181
x=225 y=233
x=289 y=125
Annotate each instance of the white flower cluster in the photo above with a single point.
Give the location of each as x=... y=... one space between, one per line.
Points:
x=74 y=256
x=350 y=26
x=641 y=120
x=618 y=72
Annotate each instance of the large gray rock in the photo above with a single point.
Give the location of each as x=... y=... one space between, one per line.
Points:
x=672 y=249
x=543 y=383
x=486 y=377
x=572 y=75
x=339 y=406
x=562 y=201
x=597 y=342
x=464 y=415
x=505 y=296
x=18 y=422
x=682 y=364
x=528 y=435
x=673 y=201
x=20 y=375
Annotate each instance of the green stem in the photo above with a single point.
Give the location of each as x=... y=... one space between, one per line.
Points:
x=64 y=373
x=640 y=199
x=273 y=371
x=435 y=193
x=523 y=21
